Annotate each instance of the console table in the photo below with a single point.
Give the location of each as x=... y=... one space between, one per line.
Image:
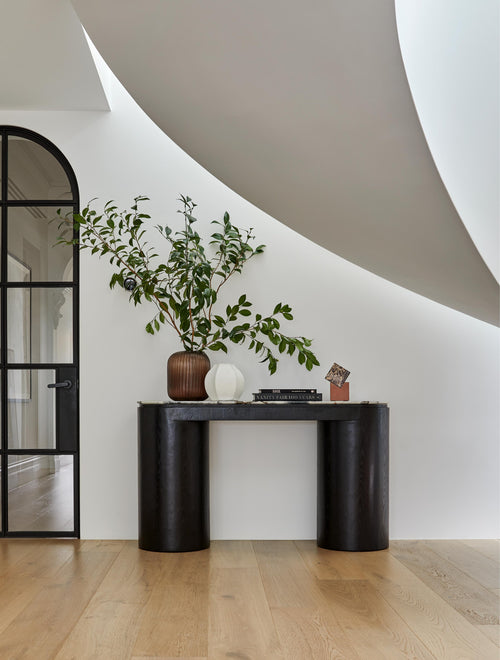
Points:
x=353 y=471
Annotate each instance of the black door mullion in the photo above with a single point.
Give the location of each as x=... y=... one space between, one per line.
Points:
x=60 y=203
x=40 y=452
x=36 y=366
x=41 y=285
x=3 y=334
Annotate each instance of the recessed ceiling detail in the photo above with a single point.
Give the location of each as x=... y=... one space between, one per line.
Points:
x=304 y=109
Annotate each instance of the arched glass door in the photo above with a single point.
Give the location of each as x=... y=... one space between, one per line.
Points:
x=38 y=340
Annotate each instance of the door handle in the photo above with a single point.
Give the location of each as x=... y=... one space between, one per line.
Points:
x=65 y=384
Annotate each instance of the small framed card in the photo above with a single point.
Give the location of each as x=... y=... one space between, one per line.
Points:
x=337 y=375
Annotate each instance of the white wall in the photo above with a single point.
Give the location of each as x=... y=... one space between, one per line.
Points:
x=450 y=51
x=437 y=368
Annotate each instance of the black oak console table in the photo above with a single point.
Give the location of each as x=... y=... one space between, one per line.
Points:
x=353 y=471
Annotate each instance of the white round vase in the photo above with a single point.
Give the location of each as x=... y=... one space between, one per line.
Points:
x=224 y=382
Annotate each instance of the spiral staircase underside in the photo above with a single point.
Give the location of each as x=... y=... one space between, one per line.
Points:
x=304 y=109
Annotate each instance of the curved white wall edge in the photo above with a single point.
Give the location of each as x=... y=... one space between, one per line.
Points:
x=450 y=50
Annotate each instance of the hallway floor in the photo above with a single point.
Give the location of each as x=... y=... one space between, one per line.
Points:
x=249 y=600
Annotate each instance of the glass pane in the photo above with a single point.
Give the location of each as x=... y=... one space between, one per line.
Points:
x=40 y=325
x=34 y=173
x=31 y=245
x=40 y=493
x=31 y=409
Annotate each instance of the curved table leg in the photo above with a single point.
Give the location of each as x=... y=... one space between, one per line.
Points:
x=353 y=478
x=173 y=483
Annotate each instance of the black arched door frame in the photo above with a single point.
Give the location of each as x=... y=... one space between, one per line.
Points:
x=64 y=446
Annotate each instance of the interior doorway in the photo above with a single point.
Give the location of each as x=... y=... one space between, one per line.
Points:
x=39 y=323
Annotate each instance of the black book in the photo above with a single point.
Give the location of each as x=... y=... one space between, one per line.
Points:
x=287 y=396
x=281 y=390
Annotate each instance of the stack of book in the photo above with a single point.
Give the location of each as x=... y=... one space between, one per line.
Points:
x=288 y=395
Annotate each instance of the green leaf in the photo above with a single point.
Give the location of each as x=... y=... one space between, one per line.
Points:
x=218 y=346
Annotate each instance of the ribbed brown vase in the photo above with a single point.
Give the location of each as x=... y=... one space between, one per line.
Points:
x=186 y=376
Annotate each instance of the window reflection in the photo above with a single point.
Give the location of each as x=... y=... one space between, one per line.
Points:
x=31 y=409
x=40 y=493
x=34 y=173
x=40 y=325
x=32 y=235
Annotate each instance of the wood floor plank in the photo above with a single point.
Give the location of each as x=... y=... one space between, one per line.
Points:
x=443 y=630
x=39 y=558
x=15 y=595
x=232 y=554
x=55 y=609
x=185 y=566
x=476 y=603
x=328 y=565
x=488 y=547
x=306 y=634
x=373 y=627
x=174 y=621
x=103 y=545
x=240 y=621
x=492 y=632
x=298 y=605
x=14 y=551
x=26 y=567
x=286 y=579
x=278 y=553
x=470 y=561
x=109 y=624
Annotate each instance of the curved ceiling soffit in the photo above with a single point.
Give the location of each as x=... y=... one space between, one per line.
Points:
x=305 y=111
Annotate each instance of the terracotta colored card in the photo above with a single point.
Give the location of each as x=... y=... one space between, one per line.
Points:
x=339 y=393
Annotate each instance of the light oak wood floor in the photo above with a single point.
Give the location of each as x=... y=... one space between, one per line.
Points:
x=67 y=599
